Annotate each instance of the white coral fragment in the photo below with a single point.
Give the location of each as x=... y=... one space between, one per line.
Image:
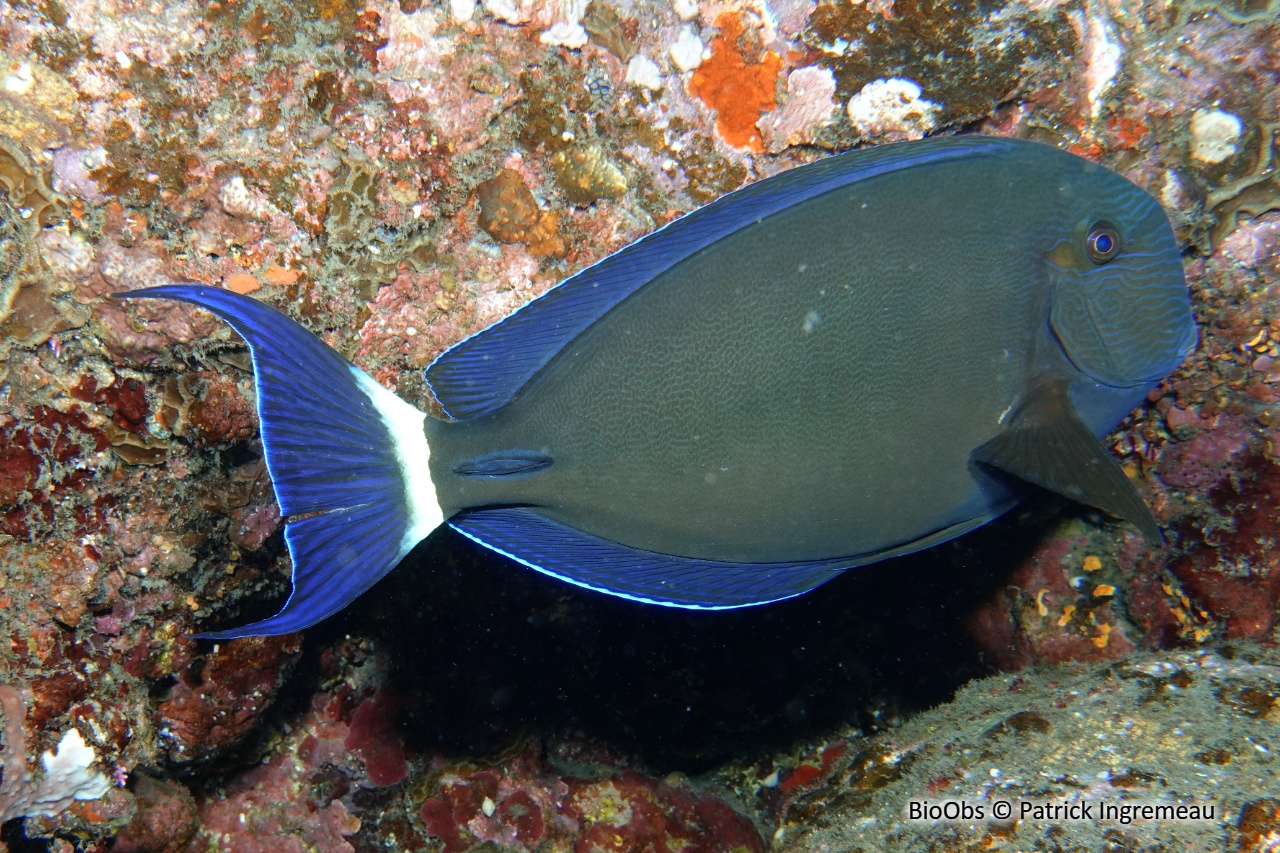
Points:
x=643 y=71
x=686 y=10
x=21 y=80
x=238 y=199
x=68 y=775
x=510 y=11
x=562 y=19
x=1102 y=57
x=68 y=772
x=688 y=51
x=565 y=34
x=892 y=110
x=1215 y=135
x=461 y=11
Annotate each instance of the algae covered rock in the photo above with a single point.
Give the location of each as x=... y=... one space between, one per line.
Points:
x=1074 y=757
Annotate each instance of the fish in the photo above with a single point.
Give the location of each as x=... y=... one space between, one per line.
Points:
x=855 y=359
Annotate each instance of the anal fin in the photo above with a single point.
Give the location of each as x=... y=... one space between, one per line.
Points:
x=1046 y=443
x=532 y=539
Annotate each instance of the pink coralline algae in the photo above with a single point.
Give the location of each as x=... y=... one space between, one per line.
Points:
x=807 y=109
x=1231 y=567
x=165 y=821
x=521 y=806
x=253 y=525
x=1051 y=611
x=398 y=175
x=1207 y=455
x=282 y=804
x=268 y=810
x=375 y=738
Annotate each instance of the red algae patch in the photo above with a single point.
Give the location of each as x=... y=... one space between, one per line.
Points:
x=165 y=820
x=738 y=89
x=374 y=735
x=217 y=700
x=520 y=806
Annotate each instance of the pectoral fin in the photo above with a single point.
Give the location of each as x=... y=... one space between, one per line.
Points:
x=1044 y=442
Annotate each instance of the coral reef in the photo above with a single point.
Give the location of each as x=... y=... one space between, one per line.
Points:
x=398 y=175
x=165 y=820
x=215 y=701
x=519 y=806
x=964 y=57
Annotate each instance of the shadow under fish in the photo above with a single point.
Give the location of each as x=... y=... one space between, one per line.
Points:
x=853 y=360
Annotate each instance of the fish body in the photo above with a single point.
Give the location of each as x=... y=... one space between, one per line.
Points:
x=852 y=360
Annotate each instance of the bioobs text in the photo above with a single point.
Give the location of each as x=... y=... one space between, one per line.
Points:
x=1062 y=811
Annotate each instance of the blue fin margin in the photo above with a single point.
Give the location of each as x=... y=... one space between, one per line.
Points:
x=533 y=540
x=330 y=454
x=484 y=372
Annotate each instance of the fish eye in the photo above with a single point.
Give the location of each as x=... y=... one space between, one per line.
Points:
x=1103 y=242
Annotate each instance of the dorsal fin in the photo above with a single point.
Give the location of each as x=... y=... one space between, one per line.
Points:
x=484 y=372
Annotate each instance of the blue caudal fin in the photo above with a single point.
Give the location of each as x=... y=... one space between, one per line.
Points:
x=484 y=372
x=341 y=450
x=569 y=555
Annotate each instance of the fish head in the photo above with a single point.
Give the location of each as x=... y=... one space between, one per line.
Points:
x=1119 y=305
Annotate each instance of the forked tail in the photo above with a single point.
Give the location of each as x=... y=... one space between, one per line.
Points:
x=348 y=460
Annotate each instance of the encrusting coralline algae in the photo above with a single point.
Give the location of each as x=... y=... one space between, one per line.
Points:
x=337 y=160
x=1097 y=742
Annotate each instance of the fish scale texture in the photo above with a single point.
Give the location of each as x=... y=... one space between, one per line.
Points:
x=484 y=372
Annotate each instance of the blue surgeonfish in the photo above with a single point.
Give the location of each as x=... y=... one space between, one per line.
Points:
x=852 y=360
